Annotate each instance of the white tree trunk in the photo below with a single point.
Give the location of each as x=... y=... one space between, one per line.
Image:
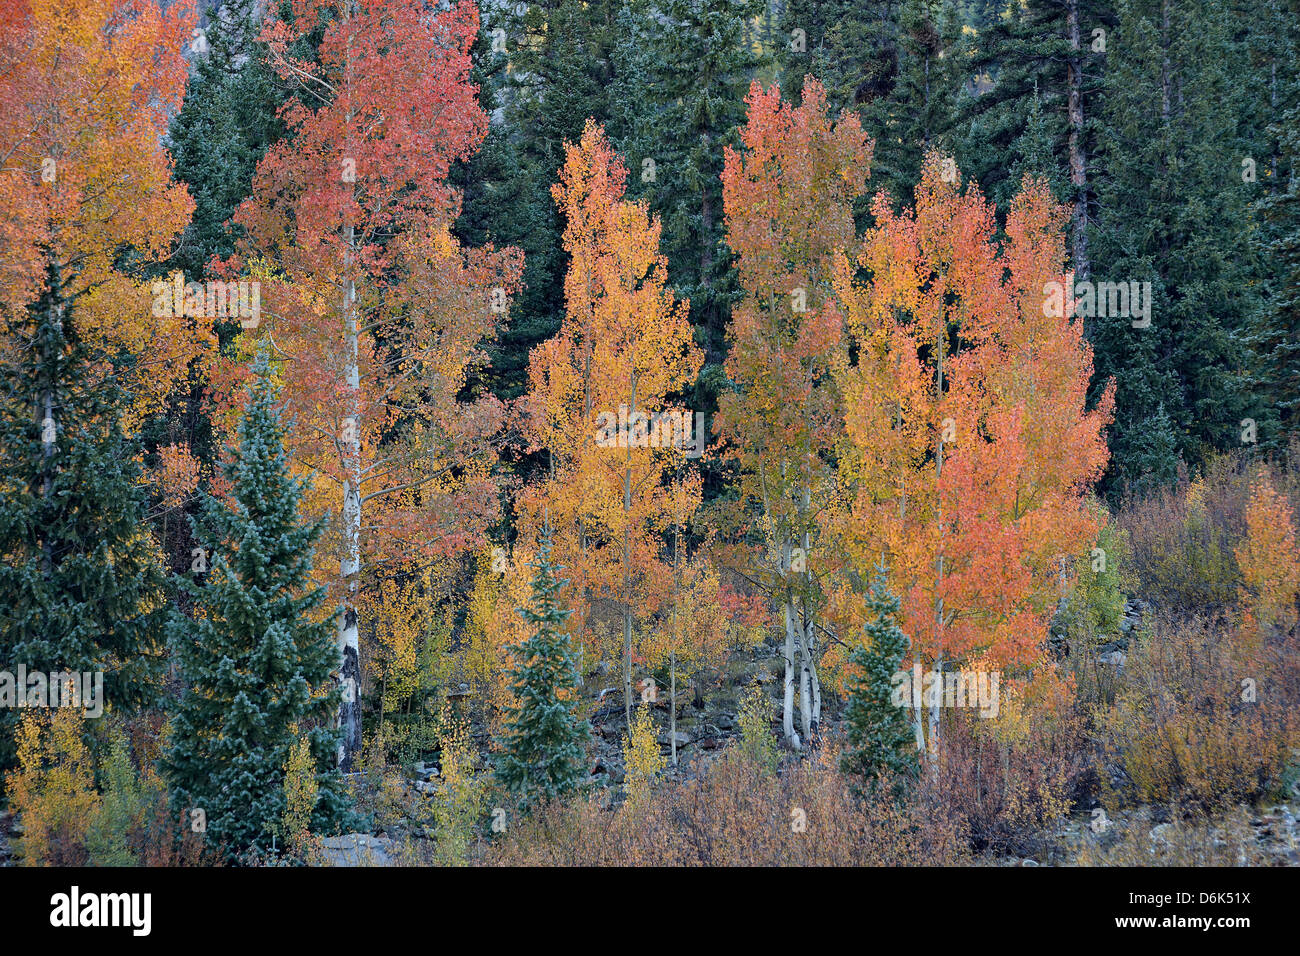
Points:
x=934 y=713
x=349 y=642
x=672 y=702
x=787 y=706
x=805 y=680
x=918 y=723
x=816 y=705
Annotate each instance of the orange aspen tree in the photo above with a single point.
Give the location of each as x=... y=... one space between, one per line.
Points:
x=600 y=394
x=375 y=312
x=788 y=197
x=1270 y=560
x=86 y=91
x=968 y=449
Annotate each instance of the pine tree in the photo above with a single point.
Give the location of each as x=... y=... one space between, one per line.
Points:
x=1035 y=73
x=507 y=203
x=229 y=118
x=686 y=85
x=850 y=46
x=1275 y=342
x=1173 y=211
x=81 y=584
x=919 y=112
x=548 y=71
x=543 y=752
x=256 y=663
x=879 y=736
x=1271 y=141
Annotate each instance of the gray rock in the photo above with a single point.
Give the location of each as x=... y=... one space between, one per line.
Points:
x=683 y=739
x=355 y=849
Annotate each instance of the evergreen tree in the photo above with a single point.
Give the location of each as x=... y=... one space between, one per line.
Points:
x=685 y=86
x=543 y=753
x=1271 y=142
x=1173 y=212
x=256 y=663
x=1275 y=338
x=1034 y=77
x=546 y=67
x=228 y=120
x=81 y=584
x=879 y=735
x=898 y=63
x=850 y=46
x=507 y=202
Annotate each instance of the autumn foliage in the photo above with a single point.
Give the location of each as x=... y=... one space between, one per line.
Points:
x=898 y=390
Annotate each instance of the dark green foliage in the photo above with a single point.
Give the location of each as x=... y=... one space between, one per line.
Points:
x=1174 y=212
x=683 y=90
x=554 y=73
x=1014 y=111
x=81 y=585
x=543 y=752
x=1270 y=131
x=257 y=667
x=223 y=130
x=880 y=740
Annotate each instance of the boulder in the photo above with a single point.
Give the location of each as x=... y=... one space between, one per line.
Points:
x=355 y=849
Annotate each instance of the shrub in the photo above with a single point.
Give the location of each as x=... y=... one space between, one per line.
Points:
x=642 y=759
x=1206 y=716
x=1270 y=560
x=1094 y=608
x=53 y=788
x=756 y=739
x=1182 y=540
x=458 y=804
x=1228 y=841
x=131 y=799
x=735 y=813
x=1009 y=779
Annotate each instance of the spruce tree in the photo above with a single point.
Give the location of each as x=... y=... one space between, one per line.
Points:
x=880 y=738
x=1173 y=212
x=506 y=201
x=1027 y=68
x=850 y=46
x=1275 y=338
x=255 y=660
x=1271 y=141
x=920 y=109
x=229 y=119
x=81 y=585
x=554 y=72
x=543 y=751
x=684 y=85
